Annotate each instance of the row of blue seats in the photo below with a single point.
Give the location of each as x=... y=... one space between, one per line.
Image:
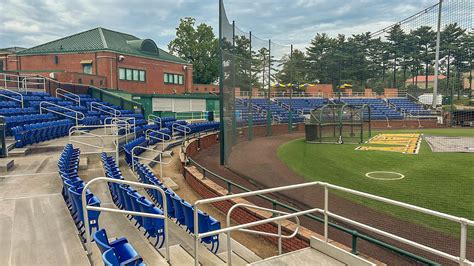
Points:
x=127 y=198
x=157 y=136
x=21 y=120
x=128 y=147
x=202 y=126
x=179 y=209
x=39 y=132
x=17 y=111
x=73 y=185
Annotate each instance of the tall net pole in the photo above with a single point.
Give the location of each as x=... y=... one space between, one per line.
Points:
x=250 y=114
x=290 y=115
x=269 y=112
x=436 y=70
x=221 y=88
x=234 y=122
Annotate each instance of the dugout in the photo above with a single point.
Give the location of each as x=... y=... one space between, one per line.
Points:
x=339 y=123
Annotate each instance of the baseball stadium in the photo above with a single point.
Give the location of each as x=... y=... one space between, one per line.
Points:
x=354 y=150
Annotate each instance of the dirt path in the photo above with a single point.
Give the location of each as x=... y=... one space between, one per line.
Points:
x=256 y=165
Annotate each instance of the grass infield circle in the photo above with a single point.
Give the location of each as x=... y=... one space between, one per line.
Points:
x=384 y=175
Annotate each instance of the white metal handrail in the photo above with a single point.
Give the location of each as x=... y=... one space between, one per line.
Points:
x=33 y=80
x=88 y=135
x=279 y=235
x=163 y=137
x=78 y=115
x=122 y=123
x=107 y=109
x=13 y=98
x=68 y=95
x=189 y=115
x=86 y=207
x=160 y=154
x=180 y=128
x=153 y=118
x=7 y=79
x=461 y=259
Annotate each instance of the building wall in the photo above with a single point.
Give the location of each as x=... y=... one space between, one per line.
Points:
x=105 y=65
x=205 y=88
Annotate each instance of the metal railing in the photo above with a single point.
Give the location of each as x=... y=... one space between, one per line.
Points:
x=355 y=235
x=153 y=118
x=104 y=108
x=68 y=95
x=13 y=98
x=33 y=81
x=461 y=259
x=122 y=123
x=11 y=78
x=279 y=234
x=82 y=129
x=190 y=115
x=163 y=137
x=160 y=156
x=180 y=128
x=86 y=207
x=78 y=115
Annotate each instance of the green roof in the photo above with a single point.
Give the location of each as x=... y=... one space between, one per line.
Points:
x=100 y=39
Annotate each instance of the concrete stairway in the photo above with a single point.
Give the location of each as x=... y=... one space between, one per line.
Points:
x=319 y=253
x=181 y=243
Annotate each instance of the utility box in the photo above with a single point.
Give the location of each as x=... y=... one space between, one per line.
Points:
x=3 y=146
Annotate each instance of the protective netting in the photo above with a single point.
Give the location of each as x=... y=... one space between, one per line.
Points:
x=406 y=58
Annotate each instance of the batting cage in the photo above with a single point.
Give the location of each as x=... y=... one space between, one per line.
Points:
x=339 y=123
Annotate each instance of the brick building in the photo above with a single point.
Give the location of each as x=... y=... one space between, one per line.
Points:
x=108 y=59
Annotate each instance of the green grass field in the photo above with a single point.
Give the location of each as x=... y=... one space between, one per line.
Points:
x=440 y=181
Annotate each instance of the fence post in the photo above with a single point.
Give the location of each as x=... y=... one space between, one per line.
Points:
x=326 y=213
x=462 y=250
x=355 y=235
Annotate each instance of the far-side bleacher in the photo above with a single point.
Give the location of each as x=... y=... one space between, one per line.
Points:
x=409 y=107
x=29 y=126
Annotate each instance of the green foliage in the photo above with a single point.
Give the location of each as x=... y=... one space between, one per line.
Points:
x=365 y=61
x=199 y=46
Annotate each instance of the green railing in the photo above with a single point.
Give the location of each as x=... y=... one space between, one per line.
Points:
x=275 y=204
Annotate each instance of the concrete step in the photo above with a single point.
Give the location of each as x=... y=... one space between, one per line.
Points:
x=306 y=256
x=6 y=165
x=236 y=259
x=18 y=152
x=178 y=256
x=170 y=183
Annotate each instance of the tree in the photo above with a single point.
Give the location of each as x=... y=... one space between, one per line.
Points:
x=293 y=69
x=199 y=46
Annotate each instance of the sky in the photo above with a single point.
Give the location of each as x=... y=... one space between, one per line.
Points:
x=26 y=23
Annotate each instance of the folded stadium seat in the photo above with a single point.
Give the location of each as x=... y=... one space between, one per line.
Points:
x=134 y=196
x=123 y=249
x=154 y=227
x=207 y=224
x=110 y=258
x=169 y=202
x=92 y=200
x=178 y=209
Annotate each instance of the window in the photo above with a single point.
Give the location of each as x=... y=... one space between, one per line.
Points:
x=132 y=74
x=87 y=68
x=79 y=81
x=135 y=75
x=122 y=73
x=1 y=65
x=101 y=83
x=91 y=82
x=173 y=78
x=128 y=74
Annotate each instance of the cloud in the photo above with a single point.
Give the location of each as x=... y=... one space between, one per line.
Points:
x=31 y=22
